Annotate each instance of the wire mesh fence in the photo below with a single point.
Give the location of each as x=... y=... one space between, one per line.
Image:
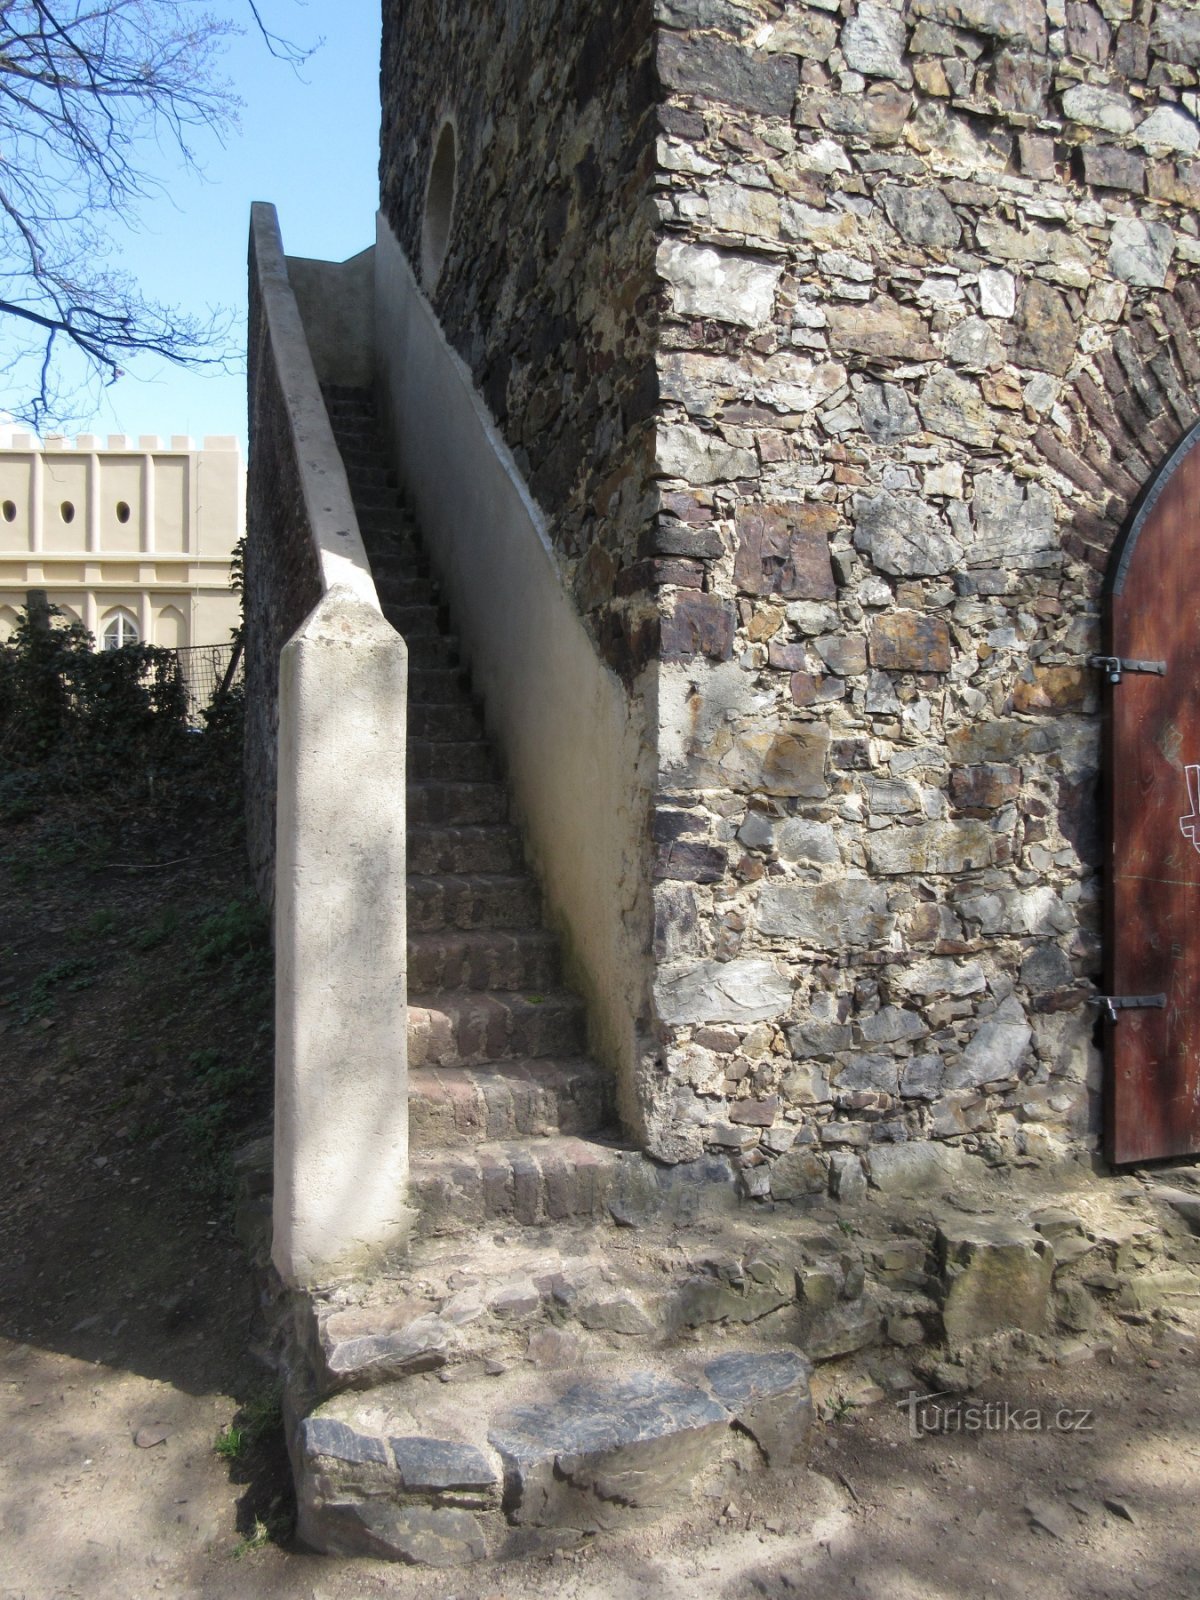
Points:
x=207 y=668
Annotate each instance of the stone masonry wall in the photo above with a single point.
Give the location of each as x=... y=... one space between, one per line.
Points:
x=928 y=326
x=548 y=289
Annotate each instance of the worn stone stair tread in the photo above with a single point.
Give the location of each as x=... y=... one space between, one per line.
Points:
x=414 y=618
x=432 y=650
x=456 y=1028
x=500 y=900
x=578 y=1292
x=491 y=1467
x=450 y=722
x=487 y=847
x=550 y=1180
x=501 y=959
x=467 y=760
x=438 y=686
x=530 y=1097
x=433 y=801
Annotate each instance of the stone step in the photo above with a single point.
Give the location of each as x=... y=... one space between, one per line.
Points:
x=365 y=459
x=394 y=554
x=473 y=849
x=541 y=1098
x=357 y=441
x=381 y=523
x=353 y=422
x=432 y=686
x=459 y=1028
x=416 y=618
x=474 y=900
x=414 y=588
x=453 y=760
x=378 y=506
x=454 y=804
x=553 y=1180
x=432 y=650
x=438 y=1474
x=581 y=1288
x=483 y=959
x=370 y=473
x=449 y=722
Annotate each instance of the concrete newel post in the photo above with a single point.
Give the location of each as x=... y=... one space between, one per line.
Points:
x=341 y=1058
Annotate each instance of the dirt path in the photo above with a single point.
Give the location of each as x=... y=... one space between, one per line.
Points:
x=133 y=1058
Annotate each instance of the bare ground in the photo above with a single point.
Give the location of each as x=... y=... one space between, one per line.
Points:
x=133 y=1058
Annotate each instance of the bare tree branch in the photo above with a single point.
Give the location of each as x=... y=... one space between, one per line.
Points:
x=85 y=87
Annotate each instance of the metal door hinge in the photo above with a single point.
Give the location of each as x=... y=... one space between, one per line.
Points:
x=1112 y=1003
x=1115 y=666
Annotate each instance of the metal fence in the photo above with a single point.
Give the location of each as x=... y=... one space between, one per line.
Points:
x=206 y=669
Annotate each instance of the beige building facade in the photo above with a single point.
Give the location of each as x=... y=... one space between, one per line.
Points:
x=132 y=538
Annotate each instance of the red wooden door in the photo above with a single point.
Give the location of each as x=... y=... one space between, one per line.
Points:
x=1154 y=822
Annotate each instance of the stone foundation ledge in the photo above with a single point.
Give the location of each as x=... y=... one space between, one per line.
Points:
x=436 y=1474
x=938 y=1275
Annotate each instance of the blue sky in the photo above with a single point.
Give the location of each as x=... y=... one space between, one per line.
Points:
x=308 y=141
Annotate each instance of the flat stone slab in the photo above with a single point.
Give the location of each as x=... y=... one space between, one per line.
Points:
x=429 y=1466
x=338 y=1441
x=767 y=1394
x=606 y=1452
x=347 y=1461
x=626 y=1449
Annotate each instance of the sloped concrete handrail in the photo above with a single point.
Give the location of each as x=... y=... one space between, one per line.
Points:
x=341 y=1080
x=332 y=522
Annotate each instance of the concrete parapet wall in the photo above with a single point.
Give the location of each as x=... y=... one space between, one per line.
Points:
x=341 y=1102
x=577 y=760
x=337 y=307
x=325 y=762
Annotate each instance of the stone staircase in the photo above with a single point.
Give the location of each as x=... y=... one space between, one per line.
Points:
x=530 y=1372
x=507 y=1113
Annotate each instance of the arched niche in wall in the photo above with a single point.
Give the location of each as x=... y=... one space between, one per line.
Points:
x=170 y=628
x=1152 y=760
x=440 y=193
x=8 y=621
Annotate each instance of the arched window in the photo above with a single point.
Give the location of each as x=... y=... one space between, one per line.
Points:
x=119 y=630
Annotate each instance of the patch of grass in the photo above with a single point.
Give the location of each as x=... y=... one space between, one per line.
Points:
x=257 y=1539
x=98 y=925
x=263 y=1414
x=230 y=1442
x=158 y=931
x=260 y=1417
x=234 y=933
x=73 y=974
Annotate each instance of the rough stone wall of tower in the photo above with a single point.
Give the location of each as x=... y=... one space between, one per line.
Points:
x=923 y=325
x=548 y=291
